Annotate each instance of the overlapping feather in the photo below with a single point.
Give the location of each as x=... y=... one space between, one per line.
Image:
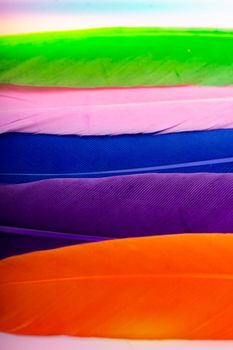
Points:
x=143 y=288
x=121 y=206
x=118 y=57
x=115 y=111
x=29 y=157
x=170 y=287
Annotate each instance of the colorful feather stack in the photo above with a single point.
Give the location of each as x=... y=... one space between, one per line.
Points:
x=116 y=179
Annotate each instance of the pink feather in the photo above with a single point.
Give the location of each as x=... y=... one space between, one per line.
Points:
x=115 y=111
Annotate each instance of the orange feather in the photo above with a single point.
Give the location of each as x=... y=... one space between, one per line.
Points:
x=164 y=287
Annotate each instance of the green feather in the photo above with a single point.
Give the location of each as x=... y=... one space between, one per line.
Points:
x=118 y=57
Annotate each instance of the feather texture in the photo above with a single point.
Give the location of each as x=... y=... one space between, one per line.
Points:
x=118 y=57
x=170 y=287
x=28 y=157
x=125 y=206
x=115 y=111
